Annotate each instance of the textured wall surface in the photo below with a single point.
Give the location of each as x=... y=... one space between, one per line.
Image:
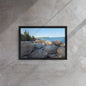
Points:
x=71 y=72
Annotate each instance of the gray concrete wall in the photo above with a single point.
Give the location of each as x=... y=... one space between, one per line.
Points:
x=71 y=72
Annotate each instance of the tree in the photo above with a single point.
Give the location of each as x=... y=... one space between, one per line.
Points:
x=33 y=37
x=22 y=37
x=26 y=37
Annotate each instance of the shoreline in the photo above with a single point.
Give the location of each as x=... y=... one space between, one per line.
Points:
x=42 y=49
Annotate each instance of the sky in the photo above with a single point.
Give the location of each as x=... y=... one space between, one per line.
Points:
x=45 y=32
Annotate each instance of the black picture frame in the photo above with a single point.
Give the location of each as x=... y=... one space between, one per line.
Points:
x=19 y=57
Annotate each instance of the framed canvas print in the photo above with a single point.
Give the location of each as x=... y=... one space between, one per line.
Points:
x=43 y=42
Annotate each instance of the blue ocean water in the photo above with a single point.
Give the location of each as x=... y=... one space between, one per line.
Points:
x=54 y=39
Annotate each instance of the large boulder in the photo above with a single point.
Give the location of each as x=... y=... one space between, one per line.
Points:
x=48 y=43
x=61 y=52
x=26 y=48
x=38 y=46
x=62 y=45
x=57 y=42
x=39 y=53
x=43 y=43
x=50 y=49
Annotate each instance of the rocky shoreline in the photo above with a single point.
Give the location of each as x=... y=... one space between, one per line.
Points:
x=42 y=49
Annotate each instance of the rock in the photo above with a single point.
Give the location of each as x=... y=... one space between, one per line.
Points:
x=60 y=56
x=50 y=49
x=39 y=53
x=26 y=48
x=37 y=40
x=61 y=52
x=48 y=43
x=52 y=56
x=38 y=46
x=57 y=43
x=43 y=44
x=62 y=45
x=40 y=41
